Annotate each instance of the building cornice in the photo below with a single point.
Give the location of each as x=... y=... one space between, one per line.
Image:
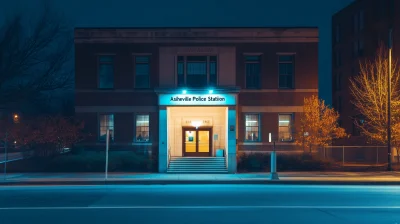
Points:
x=195 y=35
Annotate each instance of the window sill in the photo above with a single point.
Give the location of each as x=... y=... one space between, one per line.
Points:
x=142 y=143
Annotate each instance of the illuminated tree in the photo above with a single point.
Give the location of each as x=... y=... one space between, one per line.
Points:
x=319 y=124
x=370 y=96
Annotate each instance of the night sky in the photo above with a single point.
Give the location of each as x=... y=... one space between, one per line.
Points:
x=242 y=13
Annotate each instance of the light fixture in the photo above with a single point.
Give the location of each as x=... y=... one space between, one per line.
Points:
x=196 y=124
x=184 y=91
x=15 y=115
x=210 y=91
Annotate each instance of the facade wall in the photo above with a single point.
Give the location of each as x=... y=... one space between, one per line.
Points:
x=125 y=101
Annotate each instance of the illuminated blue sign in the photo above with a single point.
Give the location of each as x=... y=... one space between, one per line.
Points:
x=200 y=99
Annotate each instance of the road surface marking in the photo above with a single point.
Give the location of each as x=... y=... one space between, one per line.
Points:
x=203 y=207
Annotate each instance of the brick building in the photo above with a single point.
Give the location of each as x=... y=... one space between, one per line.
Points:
x=187 y=92
x=357 y=31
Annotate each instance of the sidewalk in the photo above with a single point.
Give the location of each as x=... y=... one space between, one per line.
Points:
x=320 y=178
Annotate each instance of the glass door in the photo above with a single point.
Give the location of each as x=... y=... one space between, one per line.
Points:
x=196 y=142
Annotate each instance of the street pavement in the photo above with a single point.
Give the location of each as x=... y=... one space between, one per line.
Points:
x=380 y=178
x=200 y=204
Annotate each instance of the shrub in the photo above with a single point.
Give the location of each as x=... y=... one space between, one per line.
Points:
x=261 y=162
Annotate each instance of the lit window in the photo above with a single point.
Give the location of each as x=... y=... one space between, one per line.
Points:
x=285 y=127
x=252 y=132
x=142 y=128
x=106 y=123
x=286 y=71
x=142 y=71
x=252 y=64
x=106 y=71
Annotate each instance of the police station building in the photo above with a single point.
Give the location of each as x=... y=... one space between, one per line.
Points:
x=194 y=96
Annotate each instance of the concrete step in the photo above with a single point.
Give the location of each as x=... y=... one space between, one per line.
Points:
x=197 y=165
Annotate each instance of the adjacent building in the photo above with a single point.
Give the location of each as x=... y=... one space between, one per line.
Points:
x=357 y=31
x=187 y=92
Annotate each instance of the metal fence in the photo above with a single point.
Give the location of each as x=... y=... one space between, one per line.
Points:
x=368 y=155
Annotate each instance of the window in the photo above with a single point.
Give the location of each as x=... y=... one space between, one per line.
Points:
x=285 y=127
x=338 y=59
x=360 y=47
x=142 y=71
x=106 y=122
x=361 y=20
x=355 y=23
x=106 y=71
x=337 y=34
x=338 y=81
x=252 y=66
x=286 y=71
x=355 y=48
x=197 y=71
x=252 y=125
x=142 y=128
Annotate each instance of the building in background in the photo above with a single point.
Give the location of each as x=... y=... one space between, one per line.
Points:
x=357 y=31
x=188 y=92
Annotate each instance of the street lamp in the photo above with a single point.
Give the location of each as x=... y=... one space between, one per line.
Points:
x=389 y=168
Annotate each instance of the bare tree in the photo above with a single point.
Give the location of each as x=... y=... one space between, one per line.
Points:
x=319 y=124
x=370 y=96
x=34 y=58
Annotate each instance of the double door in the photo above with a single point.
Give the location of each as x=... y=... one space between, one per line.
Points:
x=197 y=142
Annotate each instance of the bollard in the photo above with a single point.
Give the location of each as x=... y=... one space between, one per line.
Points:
x=274 y=174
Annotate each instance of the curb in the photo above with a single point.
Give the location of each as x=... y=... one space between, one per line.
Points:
x=190 y=182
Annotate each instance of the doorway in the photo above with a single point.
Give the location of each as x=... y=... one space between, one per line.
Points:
x=197 y=142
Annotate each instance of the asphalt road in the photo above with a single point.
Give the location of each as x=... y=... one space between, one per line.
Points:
x=200 y=204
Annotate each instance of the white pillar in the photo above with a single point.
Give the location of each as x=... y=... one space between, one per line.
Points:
x=163 y=141
x=231 y=139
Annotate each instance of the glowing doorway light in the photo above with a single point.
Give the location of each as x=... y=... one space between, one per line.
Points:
x=196 y=124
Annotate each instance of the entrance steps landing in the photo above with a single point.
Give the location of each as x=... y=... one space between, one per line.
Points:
x=197 y=165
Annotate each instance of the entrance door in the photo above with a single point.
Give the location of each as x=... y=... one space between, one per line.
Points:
x=197 y=142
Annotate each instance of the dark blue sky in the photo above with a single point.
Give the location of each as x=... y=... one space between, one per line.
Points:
x=201 y=13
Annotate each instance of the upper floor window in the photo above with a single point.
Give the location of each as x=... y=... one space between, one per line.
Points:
x=355 y=23
x=286 y=71
x=339 y=81
x=142 y=128
x=106 y=122
x=252 y=64
x=252 y=125
x=105 y=71
x=338 y=58
x=361 y=20
x=285 y=127
x=197 y=71
x=337 y=33
x=142 y=71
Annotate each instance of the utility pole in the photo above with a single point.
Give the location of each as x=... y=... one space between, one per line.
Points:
x=389 y=137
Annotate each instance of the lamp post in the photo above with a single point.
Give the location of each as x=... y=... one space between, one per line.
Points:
x=389 y=168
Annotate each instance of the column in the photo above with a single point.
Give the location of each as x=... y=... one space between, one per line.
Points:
x=231 y=139
x=163 y=140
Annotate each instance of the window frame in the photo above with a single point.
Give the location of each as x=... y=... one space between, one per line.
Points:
x=293 y=55
x=291 y=125
x=260 y=55
x=99 y=127
x=259 y=127
x=134 y=55
x=135 y=126
x=185 y=62
x=98 y=63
